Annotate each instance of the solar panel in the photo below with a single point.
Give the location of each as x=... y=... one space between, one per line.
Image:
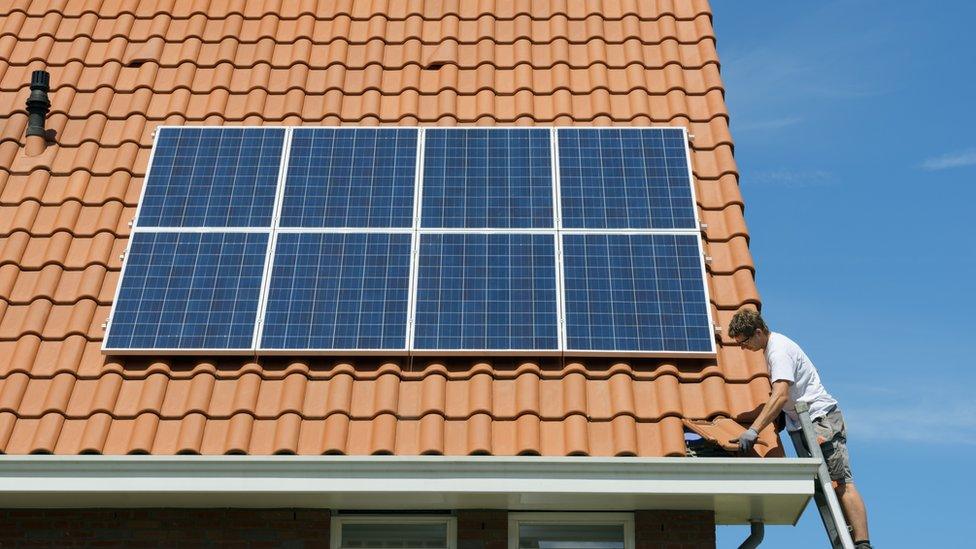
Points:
x=640 y=292
x=487 y=178
x=212 y=177
x=338 y=291
x=484 y=263
x=625 y=178
x=350 y=177
x=191 y=290
x=486 y=291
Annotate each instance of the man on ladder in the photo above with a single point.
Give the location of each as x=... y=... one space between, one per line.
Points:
x=794 y=379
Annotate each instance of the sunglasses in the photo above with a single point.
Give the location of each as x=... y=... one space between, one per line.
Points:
x=746 y=340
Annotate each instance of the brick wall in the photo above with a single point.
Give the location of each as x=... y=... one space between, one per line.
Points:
x=286 y=528
x=674 y=529
x=482 y=529
x=137 y=528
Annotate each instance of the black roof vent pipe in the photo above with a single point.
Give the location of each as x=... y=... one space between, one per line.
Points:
x=38 y=103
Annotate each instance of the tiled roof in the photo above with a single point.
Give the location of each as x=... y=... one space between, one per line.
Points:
x=121 y=68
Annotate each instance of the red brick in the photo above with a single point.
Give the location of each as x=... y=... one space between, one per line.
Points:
x=674 y=529
x=313 y=515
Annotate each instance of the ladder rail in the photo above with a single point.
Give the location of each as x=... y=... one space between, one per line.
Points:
x=819 y=497
x=805 y=441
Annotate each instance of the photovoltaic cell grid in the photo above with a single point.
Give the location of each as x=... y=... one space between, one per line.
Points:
x=487 y=178
x=625 y=179
x=338 y=291
x=486 y=291
x=475 y=291
x=189 y=291
x=635 y=293
x=350 y=178
x=212 y=177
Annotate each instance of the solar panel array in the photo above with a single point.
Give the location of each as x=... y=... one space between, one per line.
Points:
x=436 y=240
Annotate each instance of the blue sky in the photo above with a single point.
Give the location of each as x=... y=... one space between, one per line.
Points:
x=854 y=132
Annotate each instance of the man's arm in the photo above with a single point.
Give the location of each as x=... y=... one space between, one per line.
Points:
x=773 y=406
x=770 y=410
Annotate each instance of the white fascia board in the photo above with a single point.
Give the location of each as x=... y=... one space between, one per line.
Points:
x=774 y=490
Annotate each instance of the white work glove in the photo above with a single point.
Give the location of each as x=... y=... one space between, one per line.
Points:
x=746 y=440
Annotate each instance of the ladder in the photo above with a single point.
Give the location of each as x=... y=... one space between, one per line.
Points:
x=805 y=442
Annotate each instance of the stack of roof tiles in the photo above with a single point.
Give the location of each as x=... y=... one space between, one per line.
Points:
x=120 y=68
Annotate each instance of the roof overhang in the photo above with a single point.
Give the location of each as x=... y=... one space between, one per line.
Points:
x=774 y=490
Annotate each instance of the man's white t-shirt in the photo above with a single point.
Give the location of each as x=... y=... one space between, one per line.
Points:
x=787 y=361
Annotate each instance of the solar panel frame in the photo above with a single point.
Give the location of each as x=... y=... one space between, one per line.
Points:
x=663 y=353
x=292 y=200
x=550 y=222
x=696 y=230
x=127 y=265
x=557 y=212
x=651 y=221
x=273 y=241
x=415 y=282
x=278 y=229
x=136 y=228
x=415 y=247
x=142 y=192
x=157 y=135
x=557 y=231
x=266 y=350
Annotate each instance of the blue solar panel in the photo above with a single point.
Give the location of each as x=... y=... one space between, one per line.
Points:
x=212 y=177
x=635 y=293
x=360 y=177
x=487 y=178
x=338 y=291
x=636 y=288
x=189 y=291
x=486 y=291
x=625 y=179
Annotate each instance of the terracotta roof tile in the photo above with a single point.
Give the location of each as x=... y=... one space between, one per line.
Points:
x=120 y=68
x=724 y=431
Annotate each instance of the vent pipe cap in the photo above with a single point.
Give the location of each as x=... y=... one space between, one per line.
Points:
x=38 y=103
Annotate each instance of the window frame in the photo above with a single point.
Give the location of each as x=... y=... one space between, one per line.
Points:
x=335 y=526
x=571 y=517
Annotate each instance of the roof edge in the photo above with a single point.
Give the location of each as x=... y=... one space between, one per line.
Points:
x=774 y=490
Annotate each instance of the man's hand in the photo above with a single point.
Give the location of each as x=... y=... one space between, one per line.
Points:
x=746 y=440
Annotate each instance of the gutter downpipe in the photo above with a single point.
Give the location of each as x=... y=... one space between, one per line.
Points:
x=755 y=537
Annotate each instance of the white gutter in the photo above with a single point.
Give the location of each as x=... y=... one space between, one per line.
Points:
x=774 y=491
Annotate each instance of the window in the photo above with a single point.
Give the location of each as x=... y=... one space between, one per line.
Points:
x=393 y=532
x=571 y=531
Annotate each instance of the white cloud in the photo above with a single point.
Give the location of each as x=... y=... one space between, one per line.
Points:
x=951 y=160
x=910 y=414
x=941 y=424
